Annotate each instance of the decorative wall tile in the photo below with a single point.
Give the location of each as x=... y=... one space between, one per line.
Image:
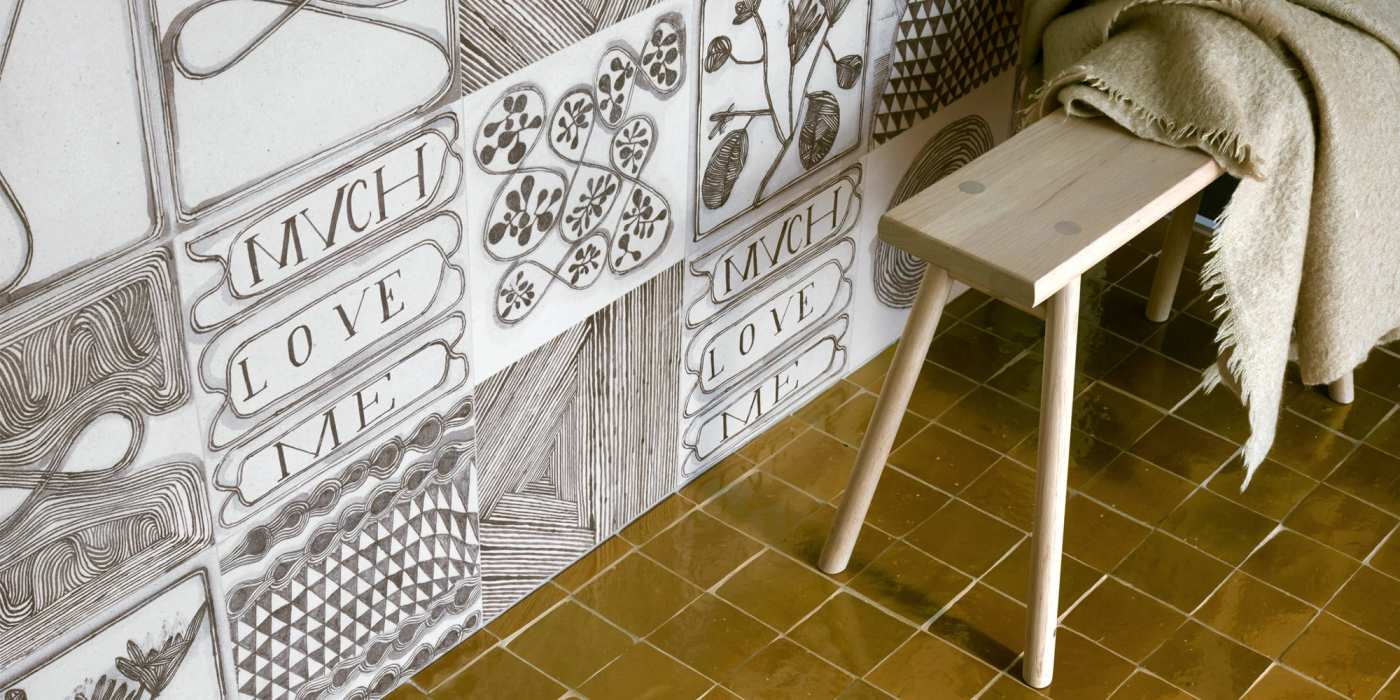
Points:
x=76 y=168
x=97 y=493
x=501 y=38
x=299 y=80
x=575 y=444
x=941 y=50
x=572 y=198
x=780 y=97
x=767 y=319
x=166 y=645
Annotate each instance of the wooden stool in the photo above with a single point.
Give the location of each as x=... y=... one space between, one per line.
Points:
x=1022 y=223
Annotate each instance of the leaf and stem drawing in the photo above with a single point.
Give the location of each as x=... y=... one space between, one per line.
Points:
x=801 y=116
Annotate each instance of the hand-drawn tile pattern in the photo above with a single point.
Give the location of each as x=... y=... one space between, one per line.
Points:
x=577 y=444
x=361 y=596
x=943 y=50
x=104 y=344
x=87 y=540
x=166 y=646
x=219 y=61
x=781 y=96
x=500 y=38
x=332 y=347
x=897 y=274
x=75 y=171
x=587 y=189
x=767 y=319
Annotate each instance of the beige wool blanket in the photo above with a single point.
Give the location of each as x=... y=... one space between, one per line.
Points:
x=1301 y=100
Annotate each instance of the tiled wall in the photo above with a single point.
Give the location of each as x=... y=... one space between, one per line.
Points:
x=330 y=329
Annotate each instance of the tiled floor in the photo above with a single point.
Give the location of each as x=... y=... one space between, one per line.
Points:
x=1176 y=584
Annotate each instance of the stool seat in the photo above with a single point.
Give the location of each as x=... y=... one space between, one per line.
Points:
x=1034 y=213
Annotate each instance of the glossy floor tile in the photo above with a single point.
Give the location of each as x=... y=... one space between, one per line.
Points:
x=1175 y=584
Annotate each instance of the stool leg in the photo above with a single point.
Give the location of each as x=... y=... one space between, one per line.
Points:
x=1173 y=259
x=889 y=410
x=1343 y=390
x=1051 y=483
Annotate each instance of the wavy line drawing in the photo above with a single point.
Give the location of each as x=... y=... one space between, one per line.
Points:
x=611 y=218
x=384 y=461
x=89 y=540
x=96 y=358
x=897 y=274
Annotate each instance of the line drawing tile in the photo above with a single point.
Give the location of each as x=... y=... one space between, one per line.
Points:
x=582 y=206
x=575 y=446
x=166 y=645
x=275 y=73
x=766 y=319
x=499 y=39
x=76 y=170
x=780 y=98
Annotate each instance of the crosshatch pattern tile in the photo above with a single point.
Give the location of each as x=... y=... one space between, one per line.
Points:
x=1175 y=584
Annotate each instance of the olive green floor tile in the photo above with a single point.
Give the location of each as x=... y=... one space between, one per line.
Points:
x=1343 y=658
x=526 y=610
x=1083 y=669
x=1308 y=447
x=500 y=674
x=1218 y=526
x=654 y=521
x=928 y=668
x=638 y=594
x=815 y=462
x=1130 y=623
x=805 y=542
x=1279 y=683
x=986 y=624
x=943 y=458
x=590 y=565
x=1371 y=601
x=1113 y=416
x=963 y=536
x=901 y=503
x=1356 y=419
x=712 y=636
x=702 y=549
x=1163 y=446
x=849 y=422
x=1372 y=476
x=1274 y=491
x=972 y=352
x=406 y=692
x=785 y=671
x=1154 y=378
x=910 y=582
x=1387 y=556
x=717 y=478
x=1207 y=664
x=1097 y=536
x=776 y=589
x=1012 y=575
x=570 y=643
x=1219 y=411
x=643 y=673
x=456 y=659
x=1301 y=567
x=1006 y=490
x=762 y=506
x=1138 y=488
x=1264 y=618
x=851 y=633
x=1341 y=521
x=991 y=418
x=1144 y=686
x=1171 y=571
